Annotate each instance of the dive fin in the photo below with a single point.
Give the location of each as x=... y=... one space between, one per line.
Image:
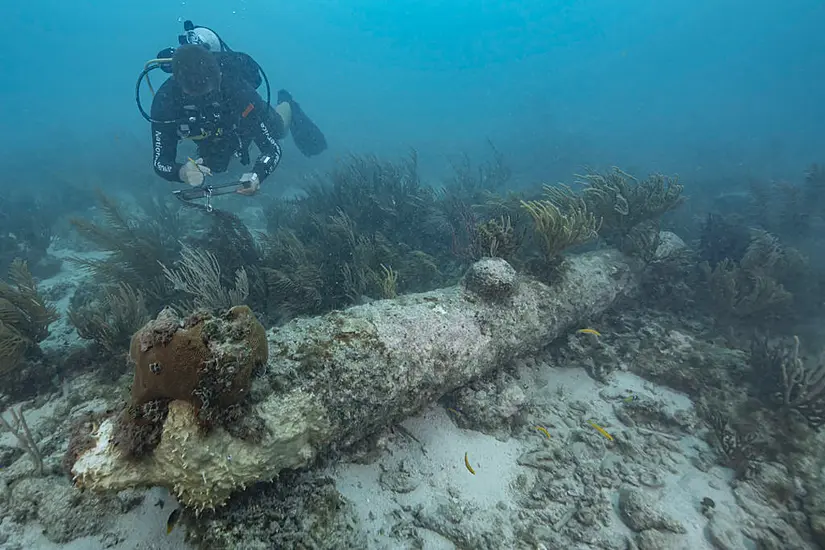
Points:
x=308 y=137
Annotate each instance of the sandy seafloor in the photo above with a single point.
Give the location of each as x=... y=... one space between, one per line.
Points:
x=420 y=471
x=438 y=474
x=442 y=472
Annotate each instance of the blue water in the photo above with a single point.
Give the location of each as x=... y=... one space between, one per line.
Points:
x=727 y=87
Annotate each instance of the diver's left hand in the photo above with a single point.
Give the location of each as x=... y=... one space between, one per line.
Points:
x=251 y=184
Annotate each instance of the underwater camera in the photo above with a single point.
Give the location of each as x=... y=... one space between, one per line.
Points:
x=194 y=34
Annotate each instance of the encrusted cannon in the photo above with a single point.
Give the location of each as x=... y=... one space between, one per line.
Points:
x=332 y=380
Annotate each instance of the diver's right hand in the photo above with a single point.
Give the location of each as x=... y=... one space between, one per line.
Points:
x=193 y=172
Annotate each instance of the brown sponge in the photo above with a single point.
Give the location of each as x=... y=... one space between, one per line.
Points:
x=206 y=360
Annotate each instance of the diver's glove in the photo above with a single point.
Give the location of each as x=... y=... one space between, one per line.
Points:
x=193 y=172
x=251 y=184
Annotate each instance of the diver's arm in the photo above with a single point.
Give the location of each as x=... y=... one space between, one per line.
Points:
x=270 y=155
x=263 y=132
x=165 y=151
x=165 y=135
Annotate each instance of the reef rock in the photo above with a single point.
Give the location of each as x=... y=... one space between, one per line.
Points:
x=669 y=244
x=63 y=512
x=491 y=278
x=723 y=533
x=641 y=511
x=332 y=380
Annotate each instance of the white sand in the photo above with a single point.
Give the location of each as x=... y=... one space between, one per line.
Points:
x=443 y=472
x=440 y=470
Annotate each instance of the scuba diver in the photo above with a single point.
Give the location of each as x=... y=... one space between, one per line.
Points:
x=212 y=99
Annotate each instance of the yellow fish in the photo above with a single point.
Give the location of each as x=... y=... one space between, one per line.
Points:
x=173 y=520
x=601 y=431
x=543 y=430
x=467 y=464
x=592 y=331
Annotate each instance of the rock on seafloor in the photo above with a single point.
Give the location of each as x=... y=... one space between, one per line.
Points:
x=333 y=380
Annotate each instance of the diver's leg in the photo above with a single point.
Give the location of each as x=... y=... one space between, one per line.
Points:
x=284 y=110
x=279 y=119
x=307 y=136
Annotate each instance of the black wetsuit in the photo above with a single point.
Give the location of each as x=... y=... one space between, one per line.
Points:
x=222 y=124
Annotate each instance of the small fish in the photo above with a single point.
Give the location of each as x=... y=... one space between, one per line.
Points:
x=592 y=331
x=543 y=430
x=160 y=503
x=467 y=464
x=601 y=431
x=630 y=398
x=173 y=520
